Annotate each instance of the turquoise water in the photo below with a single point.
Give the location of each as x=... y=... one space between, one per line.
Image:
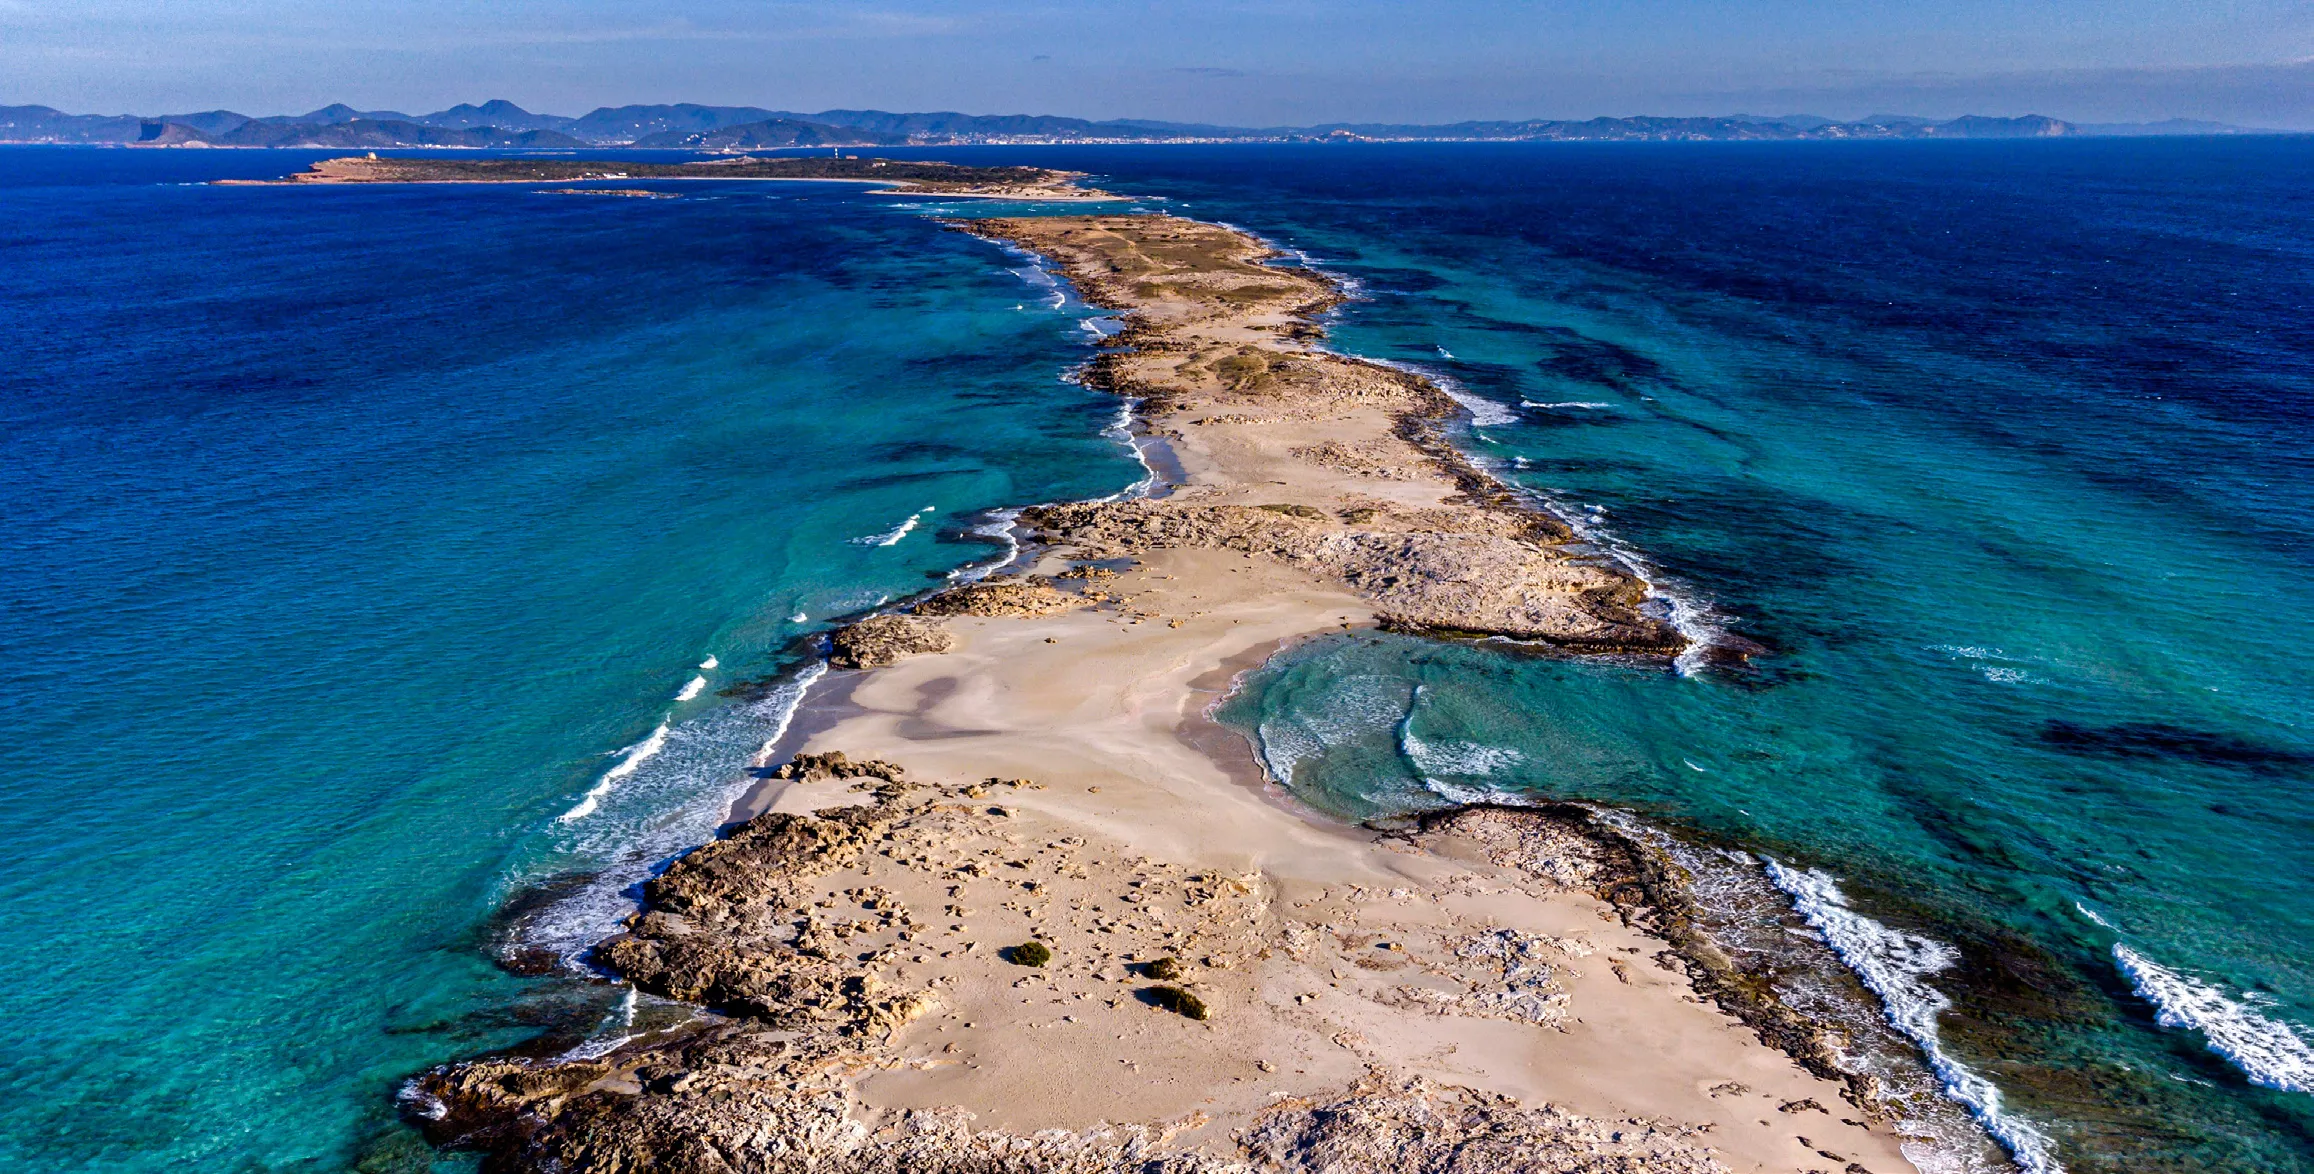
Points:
x=350 y=536
x=2003 y=456
x=357 y=538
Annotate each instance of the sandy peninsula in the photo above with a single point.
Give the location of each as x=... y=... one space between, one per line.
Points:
x=1013 y=903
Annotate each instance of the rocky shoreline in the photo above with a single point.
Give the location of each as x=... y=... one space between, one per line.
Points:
x=801 y=933
x=1031 y=927
x=1217 y=339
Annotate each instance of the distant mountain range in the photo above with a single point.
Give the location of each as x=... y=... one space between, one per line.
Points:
x=501 y=123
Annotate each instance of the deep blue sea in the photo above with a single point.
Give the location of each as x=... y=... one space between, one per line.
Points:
x=362 y=548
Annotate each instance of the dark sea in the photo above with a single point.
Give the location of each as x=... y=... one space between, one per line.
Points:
x=391 y=576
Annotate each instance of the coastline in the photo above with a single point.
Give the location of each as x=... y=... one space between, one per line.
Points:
x=1088 y=686
x=898 y=177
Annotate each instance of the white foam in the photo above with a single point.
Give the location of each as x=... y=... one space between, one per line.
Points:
x=710 y=663
x=893 y=536
x=672 y=803
x=1589 y=405
x=1484 y=413
x=1471 y=759
x=2091 y=914
x=692 y=690
x=1969 y=651
x=797 y=618
x=632 y=757
x=1037 y=276
x=1457 y=794
x=603 y=1043
x=781 y=707
x=1466 y=759
x=1895 y=965
x=2267 y=1050
x=1993 y=664
x=1353 y=706
x=421 y=1102
x=1448 y=355
x=1121 y=431
x=1688 y=615
x=1000 y=527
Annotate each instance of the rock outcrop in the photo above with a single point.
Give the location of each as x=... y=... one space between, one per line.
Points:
x=886 y=639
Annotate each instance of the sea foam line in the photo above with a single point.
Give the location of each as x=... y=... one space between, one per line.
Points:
x=1121 y=431
x=893 y=536
x=1484 y=413
x=1895 y=965
x=1689 y=616
x=1692 y=619
x=999 y=526
x=633 y=757
x=2267 y=1050
x=1350 y=288
x=629 y=847
x=782 y=704
x=1464 y=759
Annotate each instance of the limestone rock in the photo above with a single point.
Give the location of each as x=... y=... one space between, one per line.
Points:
x=882 y=640
x=1001 y=597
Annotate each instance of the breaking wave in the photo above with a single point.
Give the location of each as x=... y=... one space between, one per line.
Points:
x=633 y=757
x=1484 y=413
x=1895 y=965
x=1121 y=431
x=1355 y=706
x=1461 y=759
x=2267 y=1050
x=893 y=536
x=660 y=803
x=998 y=527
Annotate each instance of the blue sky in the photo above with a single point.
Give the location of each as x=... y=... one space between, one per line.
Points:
x=1254 y=62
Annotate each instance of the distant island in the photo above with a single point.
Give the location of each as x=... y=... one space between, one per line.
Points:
x=503 y=125
x=944 y=179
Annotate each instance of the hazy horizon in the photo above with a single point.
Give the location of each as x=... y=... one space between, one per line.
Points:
x=1283 y=62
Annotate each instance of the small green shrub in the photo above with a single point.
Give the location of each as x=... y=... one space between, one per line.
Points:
x=1163 y=969
x=1031 y=954
x=1173 y=998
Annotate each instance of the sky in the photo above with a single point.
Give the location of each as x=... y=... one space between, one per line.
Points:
x=1238 y=62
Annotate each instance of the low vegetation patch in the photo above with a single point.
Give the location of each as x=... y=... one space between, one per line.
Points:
x=1173 y=998
x=1296 y=510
